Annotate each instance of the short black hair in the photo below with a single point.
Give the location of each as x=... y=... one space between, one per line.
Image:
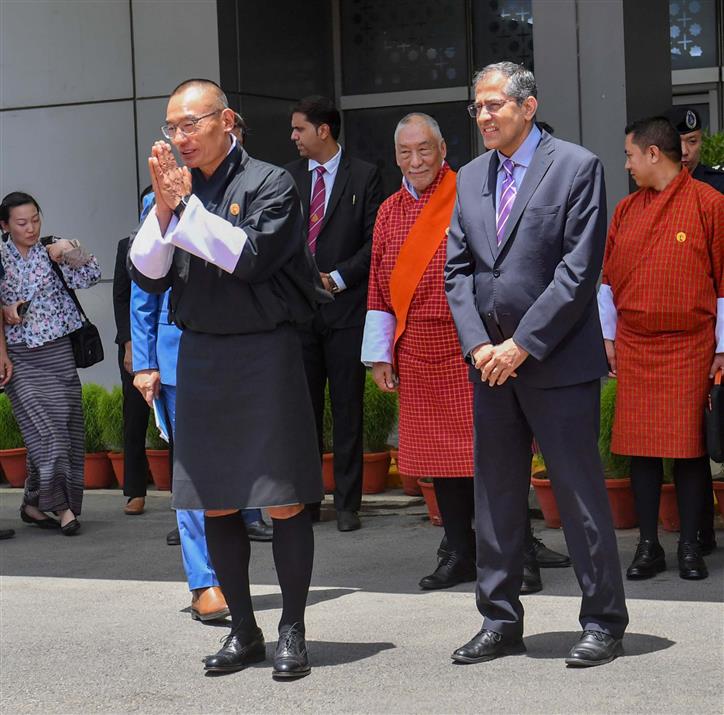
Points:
x=320 y=110
x=204 y=84
x=14 y=199
x=656 y=131
x=241 y=125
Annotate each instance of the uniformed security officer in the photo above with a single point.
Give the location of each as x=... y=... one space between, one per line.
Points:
x=688 y=123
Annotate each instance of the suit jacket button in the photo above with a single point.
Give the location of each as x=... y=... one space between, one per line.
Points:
x=490 y=315
x=496 y=274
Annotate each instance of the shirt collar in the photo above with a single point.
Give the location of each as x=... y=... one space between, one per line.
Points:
x=410 y=188
x=331 y=165
x=233 y=144
x=523 y=155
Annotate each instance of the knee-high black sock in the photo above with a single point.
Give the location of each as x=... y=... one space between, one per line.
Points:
x=646 y=476
x=455 y=498
x=229 y=550
x=293 y=548
x=691 y=477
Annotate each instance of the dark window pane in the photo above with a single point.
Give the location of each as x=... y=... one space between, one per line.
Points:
x=368 y=134
x=502 y=30
x=285 y=47
x=692 y=34
x=403 y=45
x=269 y=128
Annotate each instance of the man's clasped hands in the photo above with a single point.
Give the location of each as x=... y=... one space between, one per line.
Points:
x=498 y=362
x=169 y=181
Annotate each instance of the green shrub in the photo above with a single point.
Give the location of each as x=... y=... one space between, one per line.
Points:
x=153 y=436
x=93 y=396
x=615 y=466
x=327 y=442
x=380 y=413
x=668 y=470
x=712 y=149
x=111 y=416
x=10 y=437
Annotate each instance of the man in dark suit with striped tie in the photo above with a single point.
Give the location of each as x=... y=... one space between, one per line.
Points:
x=340 y=197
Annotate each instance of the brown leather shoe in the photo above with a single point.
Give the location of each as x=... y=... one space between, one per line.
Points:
x=208 y=604
x=135 y=506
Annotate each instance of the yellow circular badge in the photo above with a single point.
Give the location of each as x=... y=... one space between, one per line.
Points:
x=681 y=237
x=234 y=210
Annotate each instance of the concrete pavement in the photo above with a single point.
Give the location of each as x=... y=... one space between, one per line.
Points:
x=100 y=623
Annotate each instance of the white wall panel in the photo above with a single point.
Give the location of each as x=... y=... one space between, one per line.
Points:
x=60 y=51
x=174 y=41
x=150 y=115
x=79 y=164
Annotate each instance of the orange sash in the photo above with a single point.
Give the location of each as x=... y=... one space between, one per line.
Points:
x=423 y=240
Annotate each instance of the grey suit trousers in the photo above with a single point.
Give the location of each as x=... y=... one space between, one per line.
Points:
x=564 y=421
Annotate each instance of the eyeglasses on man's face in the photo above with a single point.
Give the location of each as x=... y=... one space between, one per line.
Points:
x=491 y=107
x=187 y=127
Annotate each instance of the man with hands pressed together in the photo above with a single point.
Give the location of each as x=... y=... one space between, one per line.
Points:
x=524 y=253
x=226 y=236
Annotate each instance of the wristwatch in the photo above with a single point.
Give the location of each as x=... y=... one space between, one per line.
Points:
x=181 y=205
x=333 y=287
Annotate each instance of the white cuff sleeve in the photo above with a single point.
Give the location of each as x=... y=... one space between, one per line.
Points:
x=151 y=252
x=208 y=236
x=379 y=337
x=607 y=312
x=338 y=280
x=720 y=325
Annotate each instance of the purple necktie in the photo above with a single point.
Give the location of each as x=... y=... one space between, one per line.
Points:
x=316 y=209
x=507 y=197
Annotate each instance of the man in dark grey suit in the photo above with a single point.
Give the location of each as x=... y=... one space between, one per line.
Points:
x=524 y=253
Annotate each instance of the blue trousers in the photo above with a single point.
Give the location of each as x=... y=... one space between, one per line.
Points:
x=197 y=564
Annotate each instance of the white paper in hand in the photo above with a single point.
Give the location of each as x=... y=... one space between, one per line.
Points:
x=159 y=414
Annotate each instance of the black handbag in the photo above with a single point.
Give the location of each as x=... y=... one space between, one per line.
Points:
x=714 y=415
x=86 y=341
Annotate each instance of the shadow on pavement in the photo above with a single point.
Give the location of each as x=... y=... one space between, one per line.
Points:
x=555 y=645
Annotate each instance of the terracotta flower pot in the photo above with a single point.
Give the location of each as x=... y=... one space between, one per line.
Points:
x=428 y=491
x=97 y=473
x=669 y=508
x=394 y=480
x=374 y=472
x=547 y=502
x=160 y=465
x=719 y=493
x=328 y=472
x=621 y=499
x=410 y=485
x=117 y=464
x=14 y=465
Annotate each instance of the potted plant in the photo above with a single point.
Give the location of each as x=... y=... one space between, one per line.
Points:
x=380 y=413
x=98 y=473
x=428 y=492
x=544 y=491
x=327 y=455
x=157 y=453
x=668 y=505
x=111 y=409
x=13 y=455
x=616 y=468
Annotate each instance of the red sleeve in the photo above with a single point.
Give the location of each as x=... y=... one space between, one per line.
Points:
x=611 y=240
x=375 y=296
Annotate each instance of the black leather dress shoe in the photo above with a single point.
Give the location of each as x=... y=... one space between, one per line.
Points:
x=46 y=523
x=173 y=538
x=348 y=521
x=487 y=645
x=260 y=531
x=236 y=653
x=547 y=558
x=71 y=528
x=648 y=560
x=453 y=569
x=707 y=541
x=691 y=563
x=291 y=659
x=7 y=533
x=532 y=582
x=594 y=648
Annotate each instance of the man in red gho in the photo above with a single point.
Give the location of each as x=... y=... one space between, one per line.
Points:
x=661 y=304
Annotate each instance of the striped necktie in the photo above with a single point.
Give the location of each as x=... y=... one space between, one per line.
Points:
x=507 y=197
x=316 y=209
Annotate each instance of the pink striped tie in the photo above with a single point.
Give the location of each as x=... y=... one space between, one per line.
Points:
x=316 y=209
x=507 y=197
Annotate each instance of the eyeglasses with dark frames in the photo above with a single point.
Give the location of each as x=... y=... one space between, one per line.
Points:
x=187 y=127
